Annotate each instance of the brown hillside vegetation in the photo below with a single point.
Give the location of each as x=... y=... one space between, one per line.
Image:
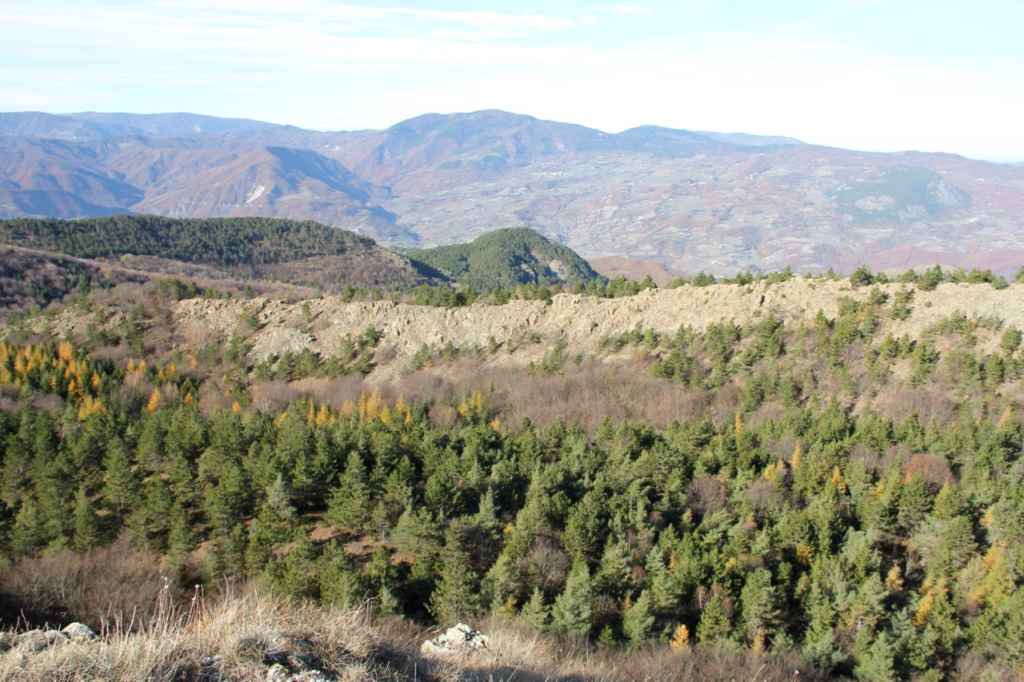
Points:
x=551 y=361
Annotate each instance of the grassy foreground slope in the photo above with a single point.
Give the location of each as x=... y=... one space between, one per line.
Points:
x=240 y=635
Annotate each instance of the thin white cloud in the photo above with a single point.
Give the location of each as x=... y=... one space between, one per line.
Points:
x=631 y=10
x=326 y=65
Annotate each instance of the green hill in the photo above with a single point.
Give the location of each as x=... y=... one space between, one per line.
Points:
x=506 y=258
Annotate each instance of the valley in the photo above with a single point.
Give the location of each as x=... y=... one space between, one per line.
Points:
x=681 y=200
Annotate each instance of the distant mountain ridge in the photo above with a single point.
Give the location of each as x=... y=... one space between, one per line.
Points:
x=686 y=200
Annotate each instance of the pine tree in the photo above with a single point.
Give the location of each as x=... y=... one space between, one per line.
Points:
x=759 y=609
x=456 y=595
x=819 y=645
x=613 y=575
x=86 y=524
x=27 y=535
x=536 y=612
x=341 y=584
x=504 y=584
x=53 y=491
x=877 y=664
x=150 y=522
x=914 y=504
x=349 y=505
x=638 y=620
x=572 y=611
x=179 y=537
x=295 y=575
x=582 y=536
x=14 y=477
x=120 y=486
x=714 y=619
x=278 y=502
x=226 y=502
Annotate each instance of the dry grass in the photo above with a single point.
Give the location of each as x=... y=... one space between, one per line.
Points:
x=150 y=631
x=226 y=641
x=116 y=583
x=229 y=639
x=516 y=652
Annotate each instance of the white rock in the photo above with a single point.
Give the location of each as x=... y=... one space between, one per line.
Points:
x=458 y=639
x=78 y=632
x=279 y=673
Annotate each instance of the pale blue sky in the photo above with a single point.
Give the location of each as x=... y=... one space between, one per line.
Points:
x=867 y=74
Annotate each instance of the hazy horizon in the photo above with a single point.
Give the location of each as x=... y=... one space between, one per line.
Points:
x=1008 y=161
x=857 y=74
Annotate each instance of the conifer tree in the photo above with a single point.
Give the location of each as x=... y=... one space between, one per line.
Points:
x=27 y=534
x=877 y=664
x=120 y=486
x=613 y=574
x=582 y=536
x=150 y=521
x=758 y=604
x=638 y=619
x=179 y=537
x=914 y=504
x=349 y=505
x=819 y=645
x=14 y=476
x=274 y=523
x=536 y=612
x=456 y=595
x=714 y=619
x=295 y=576
x=226 y=502
x=86 y=524
x=341 y=584
x=572 y=612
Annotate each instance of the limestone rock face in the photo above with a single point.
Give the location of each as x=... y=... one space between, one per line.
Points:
x=581 y=321
x=456 y=640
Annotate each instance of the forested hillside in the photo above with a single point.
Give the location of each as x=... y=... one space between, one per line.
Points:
x=507 y=258
x=306 y=253
x=214 y=241
x=300 y=253
x=819 y=490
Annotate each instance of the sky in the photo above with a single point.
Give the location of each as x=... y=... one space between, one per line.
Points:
x=883 y=75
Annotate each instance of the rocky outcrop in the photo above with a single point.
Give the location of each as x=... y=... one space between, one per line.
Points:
x=460 y=639
x=279 y=673
x=37 y=640
x=78 y=632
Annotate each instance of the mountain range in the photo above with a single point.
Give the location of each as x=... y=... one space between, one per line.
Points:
x=649 y=197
